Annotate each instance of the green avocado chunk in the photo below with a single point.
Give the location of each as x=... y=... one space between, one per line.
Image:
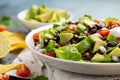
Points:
x=32 y=12
x=101 y=58
x=84 y=45
x=65 y=37
x=115 y=52
x=62 y=14
x=86 y=21
x=54 y=18
x=45 y=17
x=98 y=42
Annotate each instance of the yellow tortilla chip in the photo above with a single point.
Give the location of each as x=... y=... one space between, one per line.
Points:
x=19 y=45
x=6 y=68
x=17 y=40
x=4 y=45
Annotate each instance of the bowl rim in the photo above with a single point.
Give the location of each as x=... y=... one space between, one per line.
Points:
x=30 y=34
x=25 y=11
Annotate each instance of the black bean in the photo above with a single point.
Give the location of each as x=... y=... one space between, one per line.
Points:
x=73 y=41
x=46 y=42
x=98 y=27
x=93 y=31
x=54 y=38
x=70 y=22
x=57 y=36
x=87 y=56
x=100 y=52
x=111 y=44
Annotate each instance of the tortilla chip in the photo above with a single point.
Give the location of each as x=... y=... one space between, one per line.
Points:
x=6 y=68
x=19 y=45
x=17 y=40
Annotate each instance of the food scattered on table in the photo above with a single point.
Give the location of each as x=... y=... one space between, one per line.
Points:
x=4 y=45
x=17 y=40
x=4 y=77
x=23 y=71
x=8 y=67
x=9 y=41
x=43 y=14
x=89 y=40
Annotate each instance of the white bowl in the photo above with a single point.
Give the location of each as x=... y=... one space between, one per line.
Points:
x=32 y=25
x=73 y=66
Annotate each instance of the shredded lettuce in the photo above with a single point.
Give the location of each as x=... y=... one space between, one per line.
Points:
x=111 y=38
x=68 y=53
x=50 y=46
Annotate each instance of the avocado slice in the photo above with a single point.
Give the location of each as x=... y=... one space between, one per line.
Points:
x=42 y=9
x=86 y=21
x=63 y=14
x=101 y=58
x=65 y=37
x=83 y=46
x=32 y=12
x=115 y=52
x=54 y=18
x=98 y=42
x=45 y=17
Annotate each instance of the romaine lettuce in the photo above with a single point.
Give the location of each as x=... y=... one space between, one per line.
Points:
x=68 y=53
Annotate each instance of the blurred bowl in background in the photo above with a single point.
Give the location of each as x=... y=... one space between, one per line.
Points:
x=32 y=25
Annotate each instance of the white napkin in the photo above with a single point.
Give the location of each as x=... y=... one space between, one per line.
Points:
x=37 y=68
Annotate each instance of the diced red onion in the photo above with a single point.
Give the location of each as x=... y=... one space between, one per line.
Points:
x=41 y=50
x=102 y=49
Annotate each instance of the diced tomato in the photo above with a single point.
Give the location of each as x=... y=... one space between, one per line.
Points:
x=23 y=71
x=36 y=37
x=4 y=77
x=111 y=22
x=3 y=28
x=52 y=54
x=95 y=20
x=104 y=32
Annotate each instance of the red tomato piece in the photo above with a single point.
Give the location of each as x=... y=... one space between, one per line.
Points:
x=4 y=77
x=111 y=22
x=23 y=71
x=3 y=28
x=36 y=37
x=104 y=32
x=95 y=20
x=52 y=54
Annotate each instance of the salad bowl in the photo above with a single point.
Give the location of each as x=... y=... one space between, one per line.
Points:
x=34 y=23
x=93 y=68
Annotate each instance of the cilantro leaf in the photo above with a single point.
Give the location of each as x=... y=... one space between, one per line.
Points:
x=7 y=21
x=41 y=77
